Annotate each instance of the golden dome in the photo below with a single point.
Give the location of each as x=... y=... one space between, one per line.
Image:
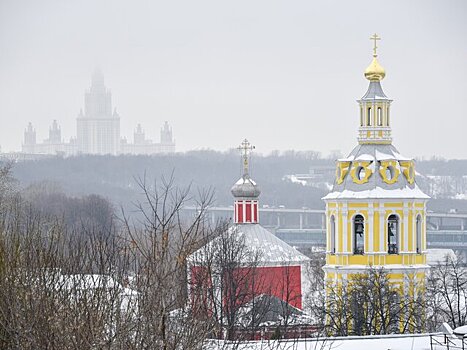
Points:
x=374 y=71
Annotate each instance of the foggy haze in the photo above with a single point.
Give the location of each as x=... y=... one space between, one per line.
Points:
x=284 y=74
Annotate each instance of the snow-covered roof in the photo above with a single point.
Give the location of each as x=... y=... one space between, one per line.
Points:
x=376 y=152
x=379 y=193
x=375 y=187
x=271 y=248
x=87 y=282
x=374 y=92
x=269 y=310
x=77 y=285
x=265 y=248
x=435 y=256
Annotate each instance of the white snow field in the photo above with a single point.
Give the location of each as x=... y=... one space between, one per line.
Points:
x=377 y=342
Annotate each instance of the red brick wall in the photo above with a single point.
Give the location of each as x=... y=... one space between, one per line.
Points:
x=283 y=282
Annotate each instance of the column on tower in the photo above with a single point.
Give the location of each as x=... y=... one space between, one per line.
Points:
x=246 y=210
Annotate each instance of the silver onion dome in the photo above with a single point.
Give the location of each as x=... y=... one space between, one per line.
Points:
x=245 y=188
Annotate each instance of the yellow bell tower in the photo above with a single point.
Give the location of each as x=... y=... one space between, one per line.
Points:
x=376 y=213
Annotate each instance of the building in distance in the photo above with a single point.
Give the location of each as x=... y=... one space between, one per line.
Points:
x=53 y=145
x=97 y=130
x=142 y=145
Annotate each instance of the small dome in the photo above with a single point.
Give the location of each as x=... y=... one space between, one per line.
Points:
x=245 y=187
x=374 y=71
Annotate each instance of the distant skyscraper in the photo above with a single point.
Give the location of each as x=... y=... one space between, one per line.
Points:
x=98 y=131
x=98 y=128
x=166 y=134
x=29 y=139
x=55 y=134
x=138 y=137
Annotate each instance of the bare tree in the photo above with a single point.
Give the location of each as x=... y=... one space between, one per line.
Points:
x=369 y=303
x=94 y=286
x=161 y=243
x=447 y=293
x=56 y=292
x=230 y=269
x=7 y=187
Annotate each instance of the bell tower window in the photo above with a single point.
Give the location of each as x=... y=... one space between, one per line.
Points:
x=359 y=234
x=333 y=234
x=393 y=234
x=368 y=117
x=380 y=117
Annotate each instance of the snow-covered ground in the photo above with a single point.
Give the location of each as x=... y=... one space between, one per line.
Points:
x=438 y=255
x=382 y=342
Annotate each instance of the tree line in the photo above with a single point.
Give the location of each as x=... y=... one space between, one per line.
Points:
x=113 y=177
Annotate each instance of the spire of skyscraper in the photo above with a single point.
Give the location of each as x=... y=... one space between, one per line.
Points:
x=97 y=82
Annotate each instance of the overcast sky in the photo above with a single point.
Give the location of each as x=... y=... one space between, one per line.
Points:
x=284 y=74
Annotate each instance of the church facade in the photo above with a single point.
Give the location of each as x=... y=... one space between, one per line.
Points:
x=376 y=213
x=246 y=266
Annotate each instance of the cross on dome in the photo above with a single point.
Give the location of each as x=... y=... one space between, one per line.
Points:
x=374 y=105
x=245 y=148
x=375 y=37
x=374 y=71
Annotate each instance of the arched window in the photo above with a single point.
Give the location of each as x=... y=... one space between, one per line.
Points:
x=333 y=235
x=359 y=234
x=368 y=117
x=393 y=234
x=418 y=234
x=380 y=117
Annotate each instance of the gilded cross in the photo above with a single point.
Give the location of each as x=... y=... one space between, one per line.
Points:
x=375 y=37
x=245 y=148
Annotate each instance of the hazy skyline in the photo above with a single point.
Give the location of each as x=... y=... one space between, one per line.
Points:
x=283 y=74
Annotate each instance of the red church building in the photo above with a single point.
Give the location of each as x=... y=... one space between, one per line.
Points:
x=246 y=266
